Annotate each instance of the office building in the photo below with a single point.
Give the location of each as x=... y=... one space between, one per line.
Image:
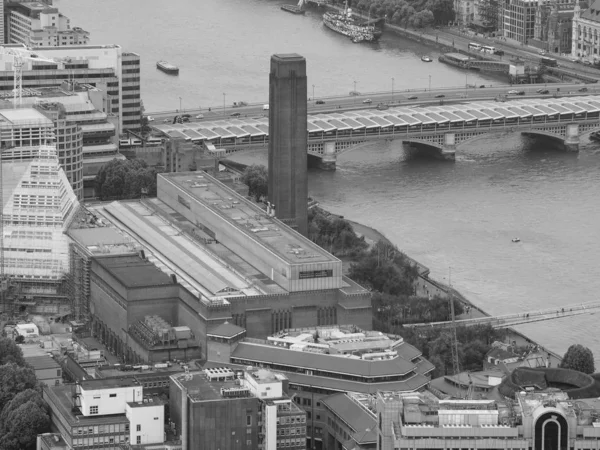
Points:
x=244 y=410
x=37 y=24
x=323 y=361
x=106 y=67
x=351 y=422
x=47 y=370
x=288 y=178
x=517 y=20
x=105 y=414
x=38 y=206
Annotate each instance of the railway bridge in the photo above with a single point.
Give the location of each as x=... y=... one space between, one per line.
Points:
x=436 y=130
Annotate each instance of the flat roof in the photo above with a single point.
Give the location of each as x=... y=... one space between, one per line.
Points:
x=108 y=383
x=42 y=362
x=133 y=271
x=249 y=219
x=23 y=116
x=200 y=388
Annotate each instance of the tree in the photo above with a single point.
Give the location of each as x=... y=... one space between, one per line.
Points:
x=14 y=379
x=22 y=419
x=121 y=179
x=578 y=358
x=256 y=178
x=10 y=352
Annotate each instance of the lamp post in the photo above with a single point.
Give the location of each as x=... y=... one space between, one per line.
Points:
x=466 y=83
x=392 y=89
x=429 y=83
x=354 y=92
x=313 y=93
x=224 y=94
x=180 y=110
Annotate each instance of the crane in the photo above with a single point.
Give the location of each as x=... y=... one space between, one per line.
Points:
x=20 y=54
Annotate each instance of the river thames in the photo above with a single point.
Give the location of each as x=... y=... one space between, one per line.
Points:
x=461 y=215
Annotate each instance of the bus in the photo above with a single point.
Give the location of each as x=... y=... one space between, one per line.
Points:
x=488 y=49
x=549 y=62
x=474 y=46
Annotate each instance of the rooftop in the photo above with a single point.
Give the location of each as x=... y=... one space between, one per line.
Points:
x=133 y=271
x=108 y=383
x=42 y=362
x=202 y=388
x=101 y=240
x=355 y=416
x=226 y=330
x=249 y=219
x=23 y=116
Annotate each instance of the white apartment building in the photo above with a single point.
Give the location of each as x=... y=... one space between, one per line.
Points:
x=37 y=24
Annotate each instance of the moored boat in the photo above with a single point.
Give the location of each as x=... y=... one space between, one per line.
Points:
x=295 y=9
x=344 y=23
x=167 y=67
x=426 y=59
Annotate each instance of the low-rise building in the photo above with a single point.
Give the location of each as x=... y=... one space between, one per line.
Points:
x=47 y=370
x=105 y=413
x=351 y=422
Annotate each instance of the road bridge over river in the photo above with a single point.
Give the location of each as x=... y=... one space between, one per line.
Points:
x=437 y=129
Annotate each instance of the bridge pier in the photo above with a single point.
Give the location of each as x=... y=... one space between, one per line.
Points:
x=571 y=143
x=448 y=152
x=329 y=158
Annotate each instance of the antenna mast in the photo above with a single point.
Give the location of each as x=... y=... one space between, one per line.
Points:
x=454 y=343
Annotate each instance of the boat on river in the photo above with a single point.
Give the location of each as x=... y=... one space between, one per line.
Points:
x=344 y=23
x=295 y=9
x=426 y=59
x=167 y=67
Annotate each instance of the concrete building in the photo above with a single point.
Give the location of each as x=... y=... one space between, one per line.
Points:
x=517 y=20
x=553 y=27
x=47 y=370
x=586 y=29
x=288 y=178
x=37 y=24
x=351 y=422
x=106 y=67
x=105 y=413
x=219 y=408
x=328 y=360
x=38 y=206
x=533 y=420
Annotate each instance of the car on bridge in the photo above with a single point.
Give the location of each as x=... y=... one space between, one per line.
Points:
x=320 y=102
x=582 y=89
x=413 y=97
x=368 y=101
x=544 y=91
x=236 y=114
x=440 y=96
x=513 y=92
x=200 y=116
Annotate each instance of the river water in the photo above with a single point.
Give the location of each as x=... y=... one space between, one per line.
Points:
x=460 y=216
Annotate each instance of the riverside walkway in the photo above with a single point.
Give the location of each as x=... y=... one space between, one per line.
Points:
x=510 y=320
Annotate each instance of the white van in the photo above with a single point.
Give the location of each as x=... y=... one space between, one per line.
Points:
x=265 y=107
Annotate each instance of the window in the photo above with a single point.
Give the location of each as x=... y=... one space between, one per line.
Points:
x=93 y=410
x=138 y=440
x=58 y=373
x=138 y=428
x=112 y=395
x=248 y=442
x=248 y=421
x=248 y=430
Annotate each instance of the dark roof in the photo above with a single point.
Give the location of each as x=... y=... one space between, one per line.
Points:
x=593 y=12
x=42 y=362
x=353 y=415
x=335 y=364
x=226 y=330
x=108 y=383
x=500 y=353
x=134 y=272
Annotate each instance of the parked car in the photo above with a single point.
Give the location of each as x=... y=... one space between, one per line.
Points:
x=440 y=96
x=582 y=89
x=320 y=102
x=413 y=97
x=235 y=114
x=368 y=101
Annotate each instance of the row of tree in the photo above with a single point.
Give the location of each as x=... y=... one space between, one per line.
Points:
x=23 y=412
x=407 y=13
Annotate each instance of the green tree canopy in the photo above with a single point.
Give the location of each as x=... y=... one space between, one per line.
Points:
x=334 y=234
x=122 y=179
x=256 y=178
x=10 y=352
x=14 y=379
x=22 y=419
x=578 y=358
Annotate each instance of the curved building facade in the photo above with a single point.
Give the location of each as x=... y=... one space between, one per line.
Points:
x=69 y=144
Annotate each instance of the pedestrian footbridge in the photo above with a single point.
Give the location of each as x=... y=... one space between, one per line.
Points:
x=437 y=130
